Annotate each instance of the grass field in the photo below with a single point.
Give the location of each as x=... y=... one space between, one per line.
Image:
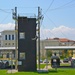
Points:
x=51 y=72
x=43 y=65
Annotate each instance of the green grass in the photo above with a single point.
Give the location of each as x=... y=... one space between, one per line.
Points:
x=41 y=66
x=51 y=72
x=65 y=64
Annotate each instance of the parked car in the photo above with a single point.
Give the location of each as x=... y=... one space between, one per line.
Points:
x=45 y=61
x=66 y=60
x=70 y=58
x=41 y=61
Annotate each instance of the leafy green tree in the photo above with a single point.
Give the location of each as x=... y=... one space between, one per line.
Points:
x=49 y=53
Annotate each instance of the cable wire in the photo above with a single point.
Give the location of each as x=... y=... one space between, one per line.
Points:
x=4 y=11
x=26 y=7
x=56 y=26
x=55 y=9
x=62 y=5
x=5 y=18
x=49 y=6
x=49 y=31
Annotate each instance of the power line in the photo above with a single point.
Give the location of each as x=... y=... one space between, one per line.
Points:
x=55 y=25
x=5 y=18
x=55 y=9
x=49 y=6
x=49 y=31
x=62 y=5
x=26 y=7
x=44 y=27
x=45 y=34
x=4 y=11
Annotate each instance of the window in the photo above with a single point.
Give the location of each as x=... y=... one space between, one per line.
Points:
x=22 y=35
x=19 y=62
x=9 y=43
x=22 y=55
x=12 y=43
x=12 y=37
x=9 y=37
x=5 y=37
x=5 y=43
x=7 y=55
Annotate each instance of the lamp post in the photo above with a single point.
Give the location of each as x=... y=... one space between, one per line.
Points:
x=16 y=36
x=40 y=16
x=11 y=61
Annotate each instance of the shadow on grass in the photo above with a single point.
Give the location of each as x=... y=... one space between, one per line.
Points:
x=53 y=71
x=49 y=71
x=56 y=70
x=60 y=70
x=43 y=72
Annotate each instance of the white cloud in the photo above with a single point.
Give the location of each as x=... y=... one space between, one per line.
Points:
x=61 y=32
x=8 y=26
x=62 y=28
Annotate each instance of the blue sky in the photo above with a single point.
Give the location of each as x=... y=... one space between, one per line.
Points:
x=59 y=16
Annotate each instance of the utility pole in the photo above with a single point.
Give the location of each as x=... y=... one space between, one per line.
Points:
x=39 y=18
x=39 y=38
x=16 y=36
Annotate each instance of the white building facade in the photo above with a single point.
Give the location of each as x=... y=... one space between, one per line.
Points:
x=8 y=38
x=55 y=42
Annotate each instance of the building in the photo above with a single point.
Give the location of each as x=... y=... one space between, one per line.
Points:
x=26 y=44
x=8 y=38
x=47 y=42
x=55 y=42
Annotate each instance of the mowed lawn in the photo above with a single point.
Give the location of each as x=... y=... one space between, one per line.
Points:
x=51 y=72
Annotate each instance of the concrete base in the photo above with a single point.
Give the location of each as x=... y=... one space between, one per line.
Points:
x=42 y=70
x=12 y=71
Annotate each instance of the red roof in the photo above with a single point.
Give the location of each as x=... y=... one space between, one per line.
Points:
x=62 y=39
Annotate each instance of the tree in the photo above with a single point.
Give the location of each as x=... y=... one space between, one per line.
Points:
x=49 y=53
